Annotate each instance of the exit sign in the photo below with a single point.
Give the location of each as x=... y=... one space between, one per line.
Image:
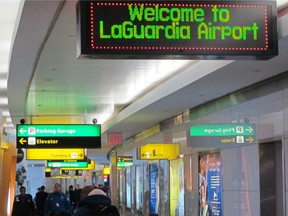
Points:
x=177 y=29
x=58 y=136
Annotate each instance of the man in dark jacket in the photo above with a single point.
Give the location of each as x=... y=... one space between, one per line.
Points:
x=96 y=203
x=76 y=196
x=57 y=202
x=40 y=200
x=23 y=204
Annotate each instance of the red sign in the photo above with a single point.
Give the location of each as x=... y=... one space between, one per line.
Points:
x=114 y=138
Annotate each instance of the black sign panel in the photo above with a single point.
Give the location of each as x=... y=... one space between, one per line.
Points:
x=182 y=29
x=58 y=142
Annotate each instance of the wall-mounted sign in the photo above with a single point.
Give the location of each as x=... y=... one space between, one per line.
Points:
x=58 y=136
x=114 y=138
x=159 y=151
x=60 y=164
x=124 y=161
x=55 y=154
x=186 y=29
x=224 y=133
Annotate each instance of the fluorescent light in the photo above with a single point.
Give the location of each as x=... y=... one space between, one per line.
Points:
x=6 y=113
x=3 y=84
x=3 y=100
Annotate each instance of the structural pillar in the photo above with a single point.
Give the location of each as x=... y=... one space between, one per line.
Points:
x=113 y=180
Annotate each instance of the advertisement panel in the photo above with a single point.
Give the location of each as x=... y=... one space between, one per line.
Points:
x=154 y=189
x=210 y=187
x=139 y=187
x=177 y=188
x=128 y=188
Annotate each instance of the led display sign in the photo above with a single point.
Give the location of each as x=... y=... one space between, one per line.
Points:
x=187 y=29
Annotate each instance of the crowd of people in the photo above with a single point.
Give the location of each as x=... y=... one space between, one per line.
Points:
x=80 y=202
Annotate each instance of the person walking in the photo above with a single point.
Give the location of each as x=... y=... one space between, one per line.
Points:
x=40 y=199
x=23 y=204
x=57 y=202
x=96 y=203
x=77 y=193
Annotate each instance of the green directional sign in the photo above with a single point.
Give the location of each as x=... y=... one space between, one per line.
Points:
x=124 y=161
x=56 y=164
x=59 y=136
x=223 y=130
x=60 y=130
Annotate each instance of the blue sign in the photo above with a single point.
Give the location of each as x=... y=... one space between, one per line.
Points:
x=154 y=188
x=210 y=185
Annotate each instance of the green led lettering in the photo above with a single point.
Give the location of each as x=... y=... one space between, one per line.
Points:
x=101 y=30
x=149 y=14
x=127 y=30
x=225 y=32
x=136 y=12
x=210 y=32
x=237 y=33
x=175 y=14
x=116 y=31
x=223 y=14
x=158 y=28
x=198 y=15
x=138 y=35
x=255 y=31
x=150 y=32
x=203 y=31
x=215 y=13
x=161 y=16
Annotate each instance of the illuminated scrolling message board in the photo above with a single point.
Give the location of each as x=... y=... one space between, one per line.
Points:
x=158 y=29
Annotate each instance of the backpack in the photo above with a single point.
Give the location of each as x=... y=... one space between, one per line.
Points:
x=104 y=210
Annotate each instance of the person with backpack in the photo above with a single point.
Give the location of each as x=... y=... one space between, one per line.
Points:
x=23 y=204
x=57 y=202
x=97 y=203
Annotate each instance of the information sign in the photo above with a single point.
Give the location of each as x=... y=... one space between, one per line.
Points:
x=159 y=151
x=124 y=161
x=223 y=133
x=58 y=136
x=60 y=164
x=55 y=154
x=91 y=166
x=182 y=29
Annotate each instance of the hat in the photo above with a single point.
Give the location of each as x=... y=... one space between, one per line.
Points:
x=42 y=187
x=97 y=192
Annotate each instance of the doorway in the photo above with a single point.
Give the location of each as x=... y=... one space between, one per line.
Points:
x=271 y=179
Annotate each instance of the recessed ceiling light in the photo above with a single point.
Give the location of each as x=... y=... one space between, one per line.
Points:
x=6 y=113
x=3 y=84
x=3 y=101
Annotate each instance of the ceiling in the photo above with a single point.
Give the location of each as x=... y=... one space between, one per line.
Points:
x=48 y=84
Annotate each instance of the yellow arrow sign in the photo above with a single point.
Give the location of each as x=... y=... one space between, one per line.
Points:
x=22 y=141
x=55 y=154
x=250 y=139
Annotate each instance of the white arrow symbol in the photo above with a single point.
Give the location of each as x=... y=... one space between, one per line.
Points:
x=22 y=131
x=250 y=129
